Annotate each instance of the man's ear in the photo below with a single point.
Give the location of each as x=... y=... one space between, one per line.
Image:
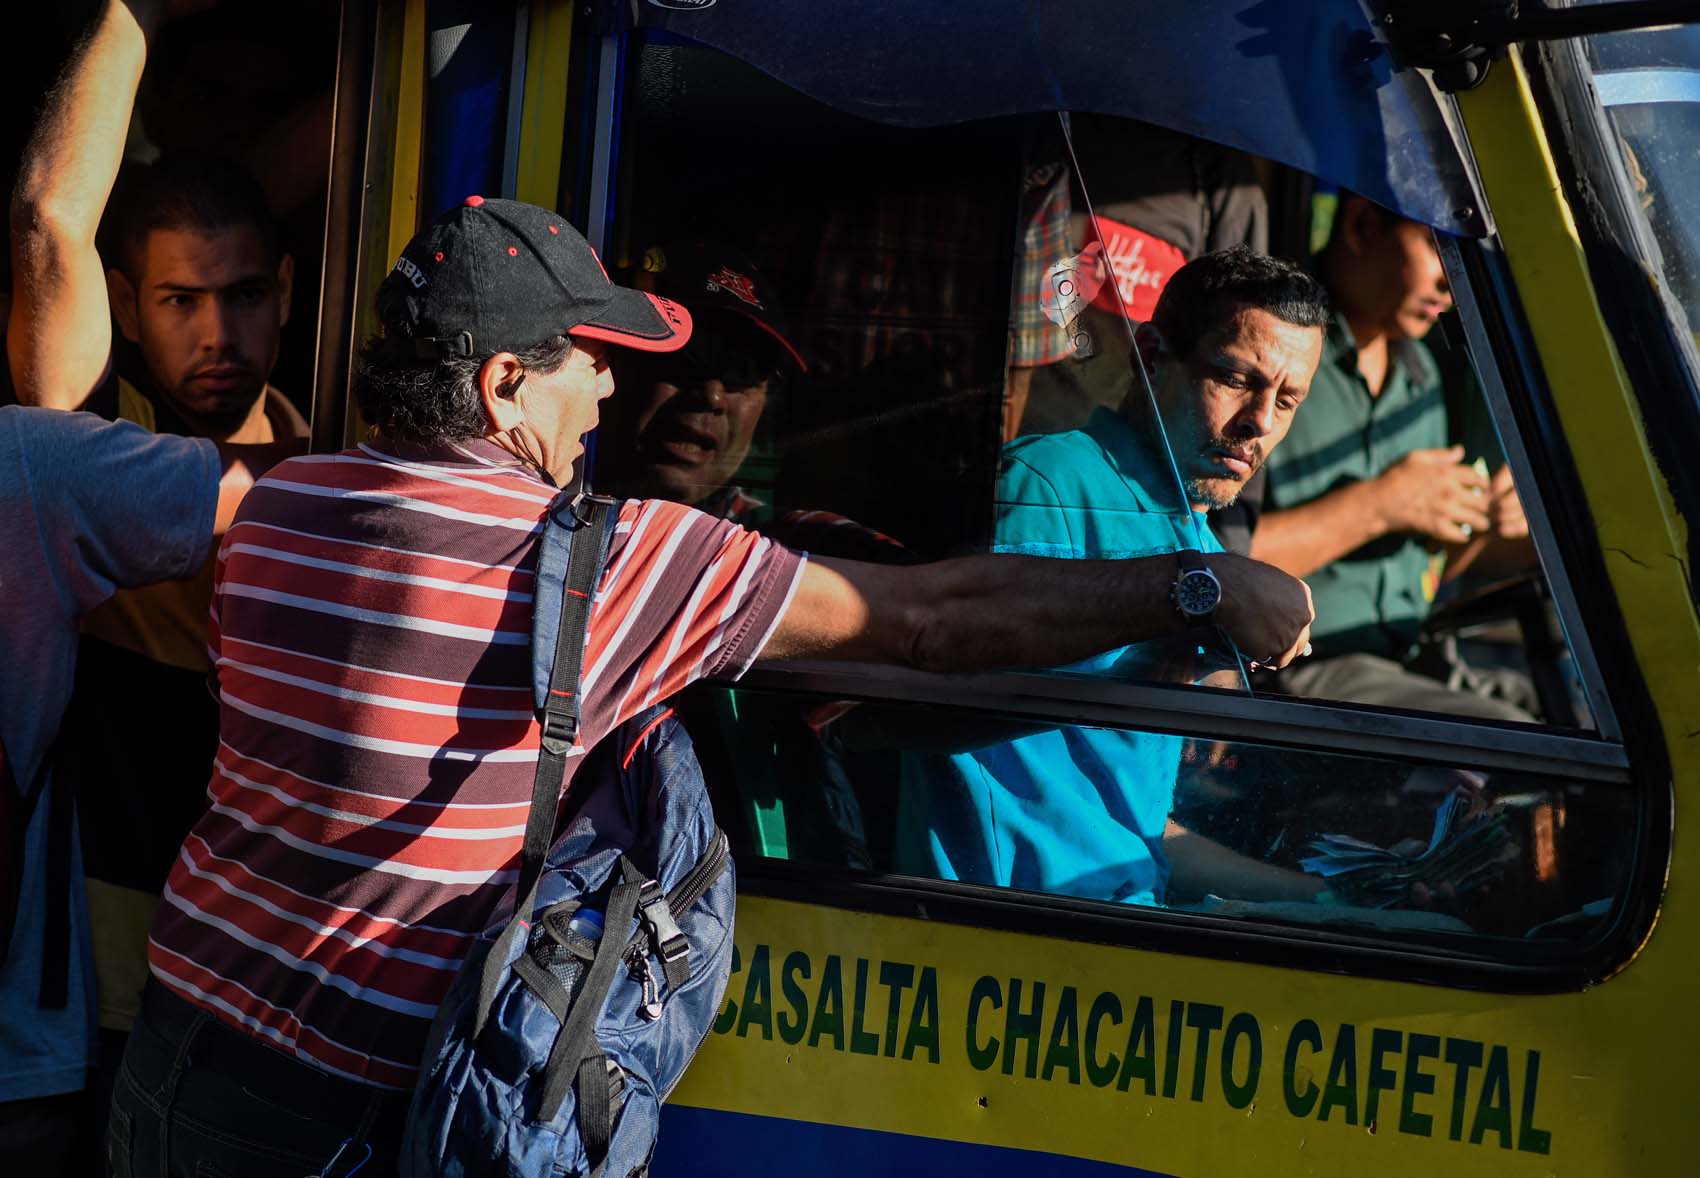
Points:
x=1151 y=348
x=121 y=295
x=1360 y=222
x=499 y=378
x=285 y=287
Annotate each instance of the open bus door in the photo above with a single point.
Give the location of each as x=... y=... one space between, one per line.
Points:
x=877 y=164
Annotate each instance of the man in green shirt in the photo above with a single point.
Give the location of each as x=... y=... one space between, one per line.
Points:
x=1365 y=498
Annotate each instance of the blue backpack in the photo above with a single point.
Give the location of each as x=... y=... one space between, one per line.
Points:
x=561 y=1036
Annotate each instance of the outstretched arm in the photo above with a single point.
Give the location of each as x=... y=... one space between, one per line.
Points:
x=60 y=336
x=981 y=612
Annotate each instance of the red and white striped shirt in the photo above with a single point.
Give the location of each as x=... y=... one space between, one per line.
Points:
x=370 y=632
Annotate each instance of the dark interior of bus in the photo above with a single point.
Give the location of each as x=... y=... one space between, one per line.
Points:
x=233 y=82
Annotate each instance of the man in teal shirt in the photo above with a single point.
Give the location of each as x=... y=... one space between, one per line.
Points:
x=1231 y=350
x=1366 y=499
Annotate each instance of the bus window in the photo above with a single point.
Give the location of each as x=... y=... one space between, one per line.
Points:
x=1649 y=83
x=1387 y=489
x=880 y=256
x=1242 y=829
x=917 y=343
x=864 y=274
x=943 y=321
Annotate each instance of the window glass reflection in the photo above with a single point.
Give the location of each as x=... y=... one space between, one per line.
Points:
x=1221 y=827
x=1649 y=83
x=919 y=343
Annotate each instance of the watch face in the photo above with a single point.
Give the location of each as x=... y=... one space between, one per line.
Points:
x=1197 y=593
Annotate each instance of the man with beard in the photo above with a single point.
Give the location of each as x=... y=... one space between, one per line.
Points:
x=1231 y=348
x=200 y=286
x=1366 y=497
x=198 y=280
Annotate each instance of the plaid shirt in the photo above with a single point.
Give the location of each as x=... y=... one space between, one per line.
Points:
x=1046 y=207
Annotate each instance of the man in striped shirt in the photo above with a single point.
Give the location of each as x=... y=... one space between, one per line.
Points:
x=370 y=631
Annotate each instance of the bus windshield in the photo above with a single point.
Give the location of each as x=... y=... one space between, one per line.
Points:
x=1649 y=83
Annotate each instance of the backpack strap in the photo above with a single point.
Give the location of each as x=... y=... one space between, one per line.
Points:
x=560 y=703
x=576 y=1047
x=575 y=533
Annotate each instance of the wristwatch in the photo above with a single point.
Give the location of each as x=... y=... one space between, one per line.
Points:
x=1196 y=592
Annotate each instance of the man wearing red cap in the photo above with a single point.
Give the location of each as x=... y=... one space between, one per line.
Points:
x=371 y=626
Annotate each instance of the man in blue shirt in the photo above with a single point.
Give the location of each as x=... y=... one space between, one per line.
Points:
x=86 y=507
x=1231 y=349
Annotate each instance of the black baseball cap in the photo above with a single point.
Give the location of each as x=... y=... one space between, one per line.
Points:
x=708 y=277
x=499 y=276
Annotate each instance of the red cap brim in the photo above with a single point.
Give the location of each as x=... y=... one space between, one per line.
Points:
x=640 y=320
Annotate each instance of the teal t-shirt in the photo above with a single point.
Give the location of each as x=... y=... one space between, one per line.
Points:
x=1069 y=811
x=1373 y=600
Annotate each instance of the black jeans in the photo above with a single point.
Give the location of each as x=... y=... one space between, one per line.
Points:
x=197 y=1099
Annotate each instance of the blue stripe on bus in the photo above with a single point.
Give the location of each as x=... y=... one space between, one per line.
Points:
x=707 y=1143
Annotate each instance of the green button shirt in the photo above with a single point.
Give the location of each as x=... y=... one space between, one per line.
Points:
x=1371 y=600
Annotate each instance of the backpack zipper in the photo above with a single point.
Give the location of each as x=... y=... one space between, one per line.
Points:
x=685 y=893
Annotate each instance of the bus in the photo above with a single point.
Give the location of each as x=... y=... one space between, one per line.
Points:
x=962 y=210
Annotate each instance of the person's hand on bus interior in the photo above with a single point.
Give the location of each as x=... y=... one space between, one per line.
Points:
x=1504 y=548
x=1433 y=493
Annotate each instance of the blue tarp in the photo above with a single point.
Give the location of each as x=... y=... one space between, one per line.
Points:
x=1309 y=83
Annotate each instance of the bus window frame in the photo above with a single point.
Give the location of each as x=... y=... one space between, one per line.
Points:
x=602 y=207
x=1536 y=969
x=1314 y=949
x=1288 y=721
x=373 y=198
x=345 y=210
